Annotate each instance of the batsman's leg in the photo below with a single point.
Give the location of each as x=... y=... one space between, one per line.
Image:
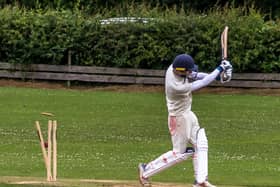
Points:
x=165 y=161
x=202 y=156
x=179 y=127
x=200 y=160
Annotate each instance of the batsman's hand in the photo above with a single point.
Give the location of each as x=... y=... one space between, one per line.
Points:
x=225 y=64
x=226 y=75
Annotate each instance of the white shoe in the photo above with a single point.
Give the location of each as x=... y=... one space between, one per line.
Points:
x=144 y=181
x=204 y=184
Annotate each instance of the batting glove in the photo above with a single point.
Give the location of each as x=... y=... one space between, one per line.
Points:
x=225 y=64
x=226 y=75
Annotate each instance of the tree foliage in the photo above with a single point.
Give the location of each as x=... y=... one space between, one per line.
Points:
x=268 y=7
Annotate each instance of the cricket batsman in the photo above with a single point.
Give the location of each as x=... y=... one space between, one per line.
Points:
x=182 y=78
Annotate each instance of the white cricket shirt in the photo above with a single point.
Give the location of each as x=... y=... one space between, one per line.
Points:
x=178 y=90
x=178 y=93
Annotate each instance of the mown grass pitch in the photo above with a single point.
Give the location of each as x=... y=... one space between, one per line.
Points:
x=104 y=135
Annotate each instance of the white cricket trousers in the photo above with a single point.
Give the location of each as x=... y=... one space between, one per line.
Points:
x=183 y=130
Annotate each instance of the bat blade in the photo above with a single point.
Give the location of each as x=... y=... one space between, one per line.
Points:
x=224 y=41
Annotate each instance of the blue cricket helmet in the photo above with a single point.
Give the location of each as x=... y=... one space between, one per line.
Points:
x=184 y=62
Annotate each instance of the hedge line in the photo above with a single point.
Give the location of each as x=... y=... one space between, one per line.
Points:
x=46 y=36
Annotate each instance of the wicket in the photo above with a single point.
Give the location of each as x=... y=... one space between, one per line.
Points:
x=51 y=146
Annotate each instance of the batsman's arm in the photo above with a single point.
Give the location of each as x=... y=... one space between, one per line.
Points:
x=201 y=75
x=206 y=80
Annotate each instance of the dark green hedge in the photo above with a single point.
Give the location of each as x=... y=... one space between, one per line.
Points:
x=46 y=36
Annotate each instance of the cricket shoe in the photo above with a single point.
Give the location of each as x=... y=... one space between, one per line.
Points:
x=204 y=184
x=144 y=181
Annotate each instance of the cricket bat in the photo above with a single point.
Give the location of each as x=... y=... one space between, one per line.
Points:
x=224 y=43
x=224 y=48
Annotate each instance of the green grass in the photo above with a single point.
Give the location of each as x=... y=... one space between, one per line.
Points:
x=104 y=135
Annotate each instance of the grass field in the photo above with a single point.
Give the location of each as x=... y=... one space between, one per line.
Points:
x=104 y=135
